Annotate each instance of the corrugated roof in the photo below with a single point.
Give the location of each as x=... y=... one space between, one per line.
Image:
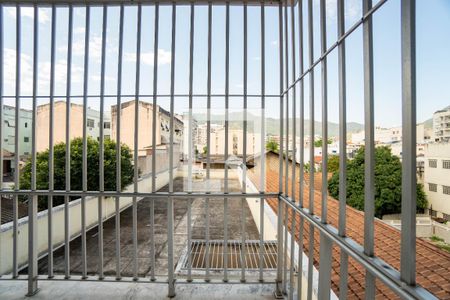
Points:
x=433 y=264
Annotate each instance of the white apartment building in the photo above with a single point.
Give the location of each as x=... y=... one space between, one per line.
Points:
x=382 y=135
x=235 y=141
x=76 y=123
x=437 y=178
x=441 y=125
x=9 y=130
x=186 y=136
x=9 y=137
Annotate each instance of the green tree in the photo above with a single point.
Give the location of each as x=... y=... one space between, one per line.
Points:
x=272 y=145
x=333 y=163
x=318 y=143
x=205 y=150
x=388 y=179
x=76 y=170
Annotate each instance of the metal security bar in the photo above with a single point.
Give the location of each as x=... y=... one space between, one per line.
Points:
x=232 y=259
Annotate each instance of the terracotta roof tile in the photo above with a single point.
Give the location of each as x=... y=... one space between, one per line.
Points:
x=433 y=264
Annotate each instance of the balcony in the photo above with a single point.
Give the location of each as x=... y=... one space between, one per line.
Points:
x=152 y=206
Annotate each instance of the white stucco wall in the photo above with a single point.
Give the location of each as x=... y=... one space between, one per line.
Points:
x=6 y=230
x=270 y=233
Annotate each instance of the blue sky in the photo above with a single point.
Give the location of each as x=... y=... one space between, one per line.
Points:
x=433 y=62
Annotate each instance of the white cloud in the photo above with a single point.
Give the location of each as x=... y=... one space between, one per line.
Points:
x=164 y=57
x=28 y=12
x=352 y=9
x=274 y=43
x=26 y=72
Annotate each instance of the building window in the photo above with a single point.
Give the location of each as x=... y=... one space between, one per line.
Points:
x=432 y=187
x=107 y=137
x=107 y=125
x=26 y=124
x=26 y=139
x=432 y=163
x=90 y=123
x=446 y=164
x=446 y=189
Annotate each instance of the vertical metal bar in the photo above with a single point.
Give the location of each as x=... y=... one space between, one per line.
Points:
x=1 y=116
x=170 y=226
x=102 y=144
x=323 y=38
x=369 y=166
x=244 y=151
x=51 y=152
x=408 y=237
x=154 y=109
x=33 y=202
x=279 y=280
x=286 y=176
x=325 y=243
x=343 y=272
x=311 y=147
x=286 y=60
x=294 y=95
x=118 y=146
x=311 y=106
x=16 y=141
x=262 y=185
x=85 y=148
x=302 y=150
x=136 y=141
x=294 y=162
x=67 y=171
x=1 y=106
x=227 y=105
x=191 y=145
x=208 y=164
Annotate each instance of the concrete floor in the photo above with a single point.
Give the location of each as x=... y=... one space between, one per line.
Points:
x=74 y=290
x=180 y=233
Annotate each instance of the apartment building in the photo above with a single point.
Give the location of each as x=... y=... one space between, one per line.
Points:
x=145 y=132
x=441 y=125
x=76 y=123
x=235 y=141
x=436 y=179
x=9 y=130
x=186 y=135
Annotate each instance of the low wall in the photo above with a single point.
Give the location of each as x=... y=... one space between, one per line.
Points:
x=425 y=226
x=270 y=233
x=6 y=230
x=442 y=231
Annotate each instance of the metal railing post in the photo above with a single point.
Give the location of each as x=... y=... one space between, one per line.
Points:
x=278 y=293
x=32 y=205
x=170 y=216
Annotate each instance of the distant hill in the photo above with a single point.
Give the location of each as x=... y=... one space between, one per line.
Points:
x=428 y=123
x=272 y=124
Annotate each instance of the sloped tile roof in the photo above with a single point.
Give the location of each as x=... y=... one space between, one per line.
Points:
x=433 y=264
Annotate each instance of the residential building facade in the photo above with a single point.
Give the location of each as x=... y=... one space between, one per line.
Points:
x=441 y=125
x=9 y=130
x=235 y=141
x=145 y=132
x=76 y=124
x=436 y=179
